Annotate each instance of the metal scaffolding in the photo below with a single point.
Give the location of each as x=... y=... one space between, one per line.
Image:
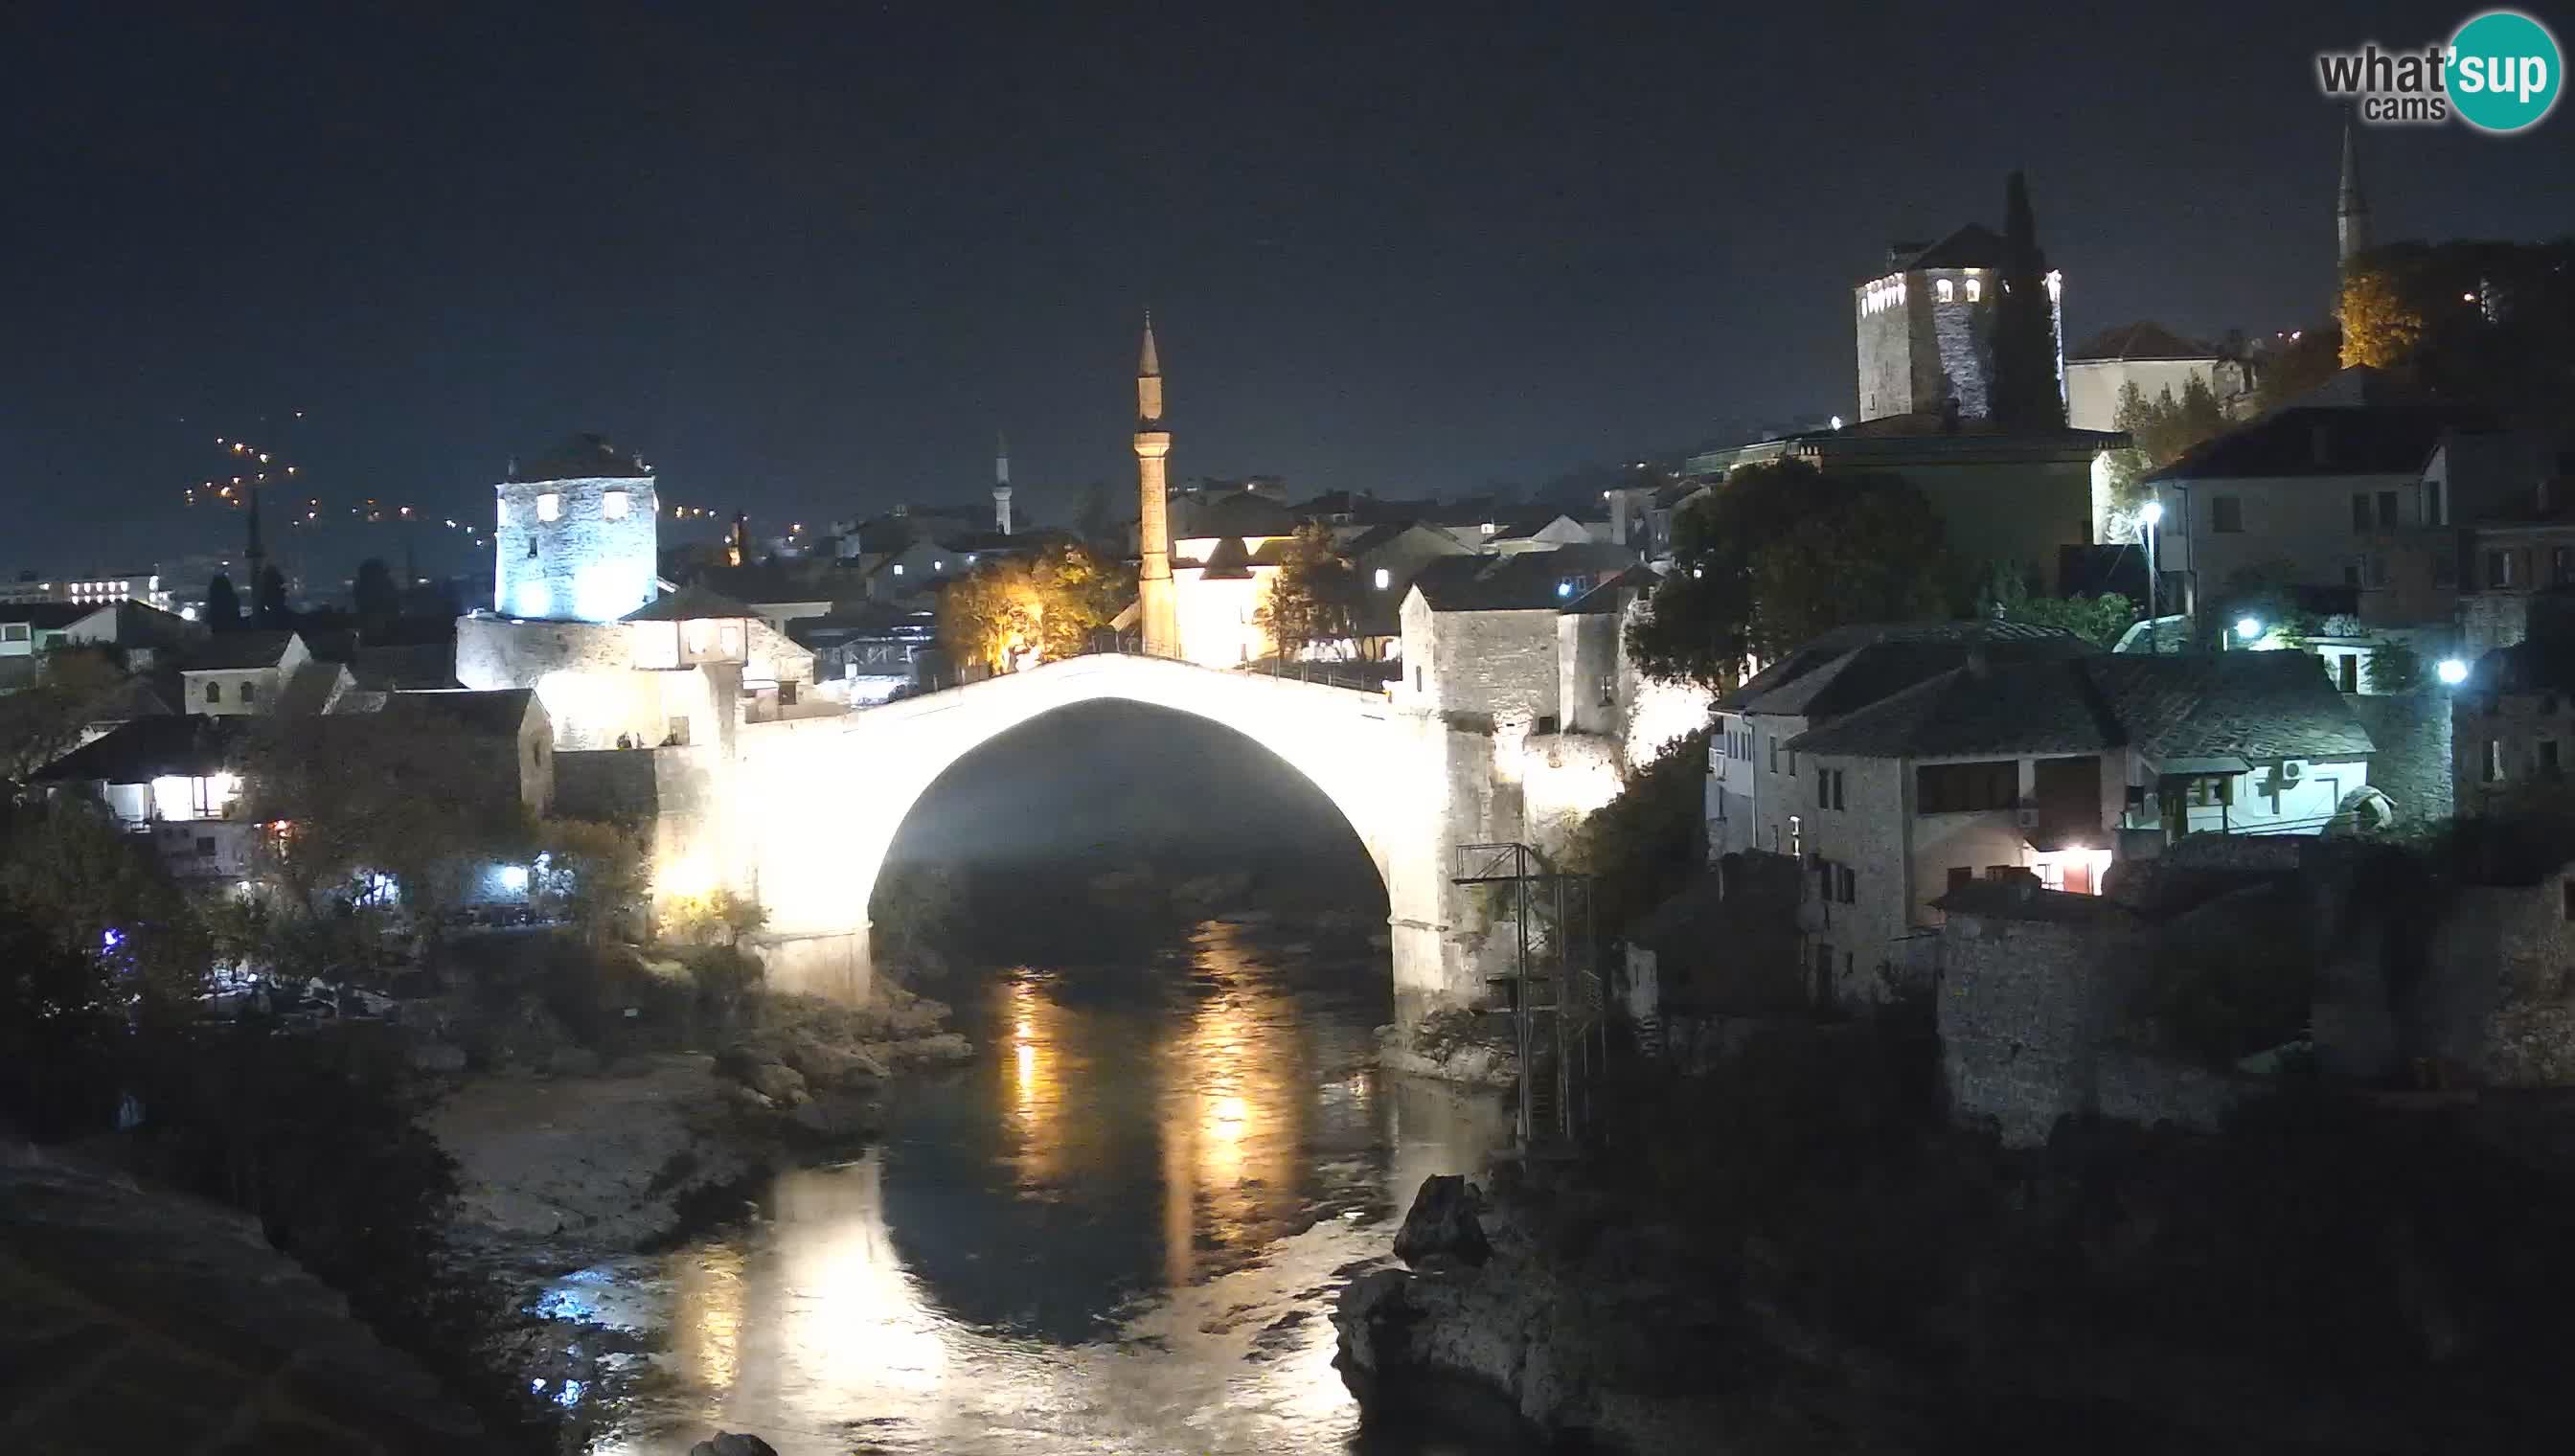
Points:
x=1551 y=993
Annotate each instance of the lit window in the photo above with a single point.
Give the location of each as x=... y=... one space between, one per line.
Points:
x=938 y=566
x=1947 y=290
x=1384 y=576
x=1975 y=290
x=550 y=506
x=898 y=569
x=612 y=504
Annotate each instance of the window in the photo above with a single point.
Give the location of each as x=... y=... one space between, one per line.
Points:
x=2561 y=566
x=2498 y=569
x=1947 y=290
x=2226 y=515
x=1416 y=679
x=787 y=694
x=2432 y=504
x=2359 y=511
x=249 y=694
x=1797 y=837
x=1793 y=763
x=214 y=692
x=2549 y=764
x=1383 y=578
x=1965 y=788
x=2491 y=771
x=2210 y=791
x=550 y=506
x=2377 y=568
x=1998 y=872
x=1975 y=290
x=1846 y=882
x=13 y=631
x=1828 y=788
x=1609 y=689
x=2387 y=510
x=612 y=504
x=898 y=569
x=1775 y=755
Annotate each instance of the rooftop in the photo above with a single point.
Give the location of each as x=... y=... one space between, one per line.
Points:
x=689 y=603
x=180 y=744
x=496 y=711
x=2143 y=340
x=1534 y=581
x=1852 y=667
x=582 y=458
x=2324 y=440
x=1973 y=246
x=239 y=651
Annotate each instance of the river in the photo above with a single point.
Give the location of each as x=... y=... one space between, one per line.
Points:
x=1119 y=1230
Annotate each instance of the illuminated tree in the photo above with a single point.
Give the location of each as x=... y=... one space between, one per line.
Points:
x=1077 y=594
x=1314 y=599
x=2381 y=324
x=2098 y=620
x=2160 y=431
x=1012 y=611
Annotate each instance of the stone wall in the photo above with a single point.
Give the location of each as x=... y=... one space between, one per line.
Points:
x=1495 y=665
x=1962 y=339
x=2497 y=1000
x=582 y=564
x=2412 y=764
x=2024 y=1008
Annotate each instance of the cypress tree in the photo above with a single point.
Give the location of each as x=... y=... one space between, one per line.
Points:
x=2025 y=392
x=223 y=605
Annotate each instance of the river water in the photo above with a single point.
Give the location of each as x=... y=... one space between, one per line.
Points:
x=1119 y=1230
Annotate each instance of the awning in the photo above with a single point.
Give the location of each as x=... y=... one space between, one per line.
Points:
x=2190 y=767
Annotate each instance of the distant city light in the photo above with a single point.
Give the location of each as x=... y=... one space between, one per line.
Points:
x=2247 y=628
x=1837 y=422
x=2452 y=671
x=2153 y=513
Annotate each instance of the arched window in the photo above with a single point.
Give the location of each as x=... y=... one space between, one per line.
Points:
x=550 y=506
x=249 y=694
x=214 y=692
x=1975 y=290
x=1947 y=290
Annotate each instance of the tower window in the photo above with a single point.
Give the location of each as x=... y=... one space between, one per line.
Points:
x=612 y=504
x=550 y=506
x=1975 y=290
x=1948 y=291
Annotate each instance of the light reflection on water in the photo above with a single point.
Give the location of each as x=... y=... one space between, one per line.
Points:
x=1119 y=1230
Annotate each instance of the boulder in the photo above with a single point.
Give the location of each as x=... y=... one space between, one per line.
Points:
x=779 y=1082
x=947 y=1047
x=824 y=1065
x=1441 y=1228
x=835 y=1116
x=731 y=1444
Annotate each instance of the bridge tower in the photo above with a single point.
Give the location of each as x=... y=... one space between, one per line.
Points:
x=1157 y=610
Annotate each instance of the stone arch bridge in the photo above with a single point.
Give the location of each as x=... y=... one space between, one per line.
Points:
x=800 y=814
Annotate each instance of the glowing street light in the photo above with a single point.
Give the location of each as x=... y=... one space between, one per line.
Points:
x=2452 y=671
x=2247 y=628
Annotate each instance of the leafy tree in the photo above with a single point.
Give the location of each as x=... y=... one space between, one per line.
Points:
x=595 y=873
x=990 y=614
x=2027 y=393
x=2381 y=324
x=374 y=598
x=1645 y=844
x=1079 y=593
x=271 y=608
x=100 y=894
x=2098 y=620
x=223 y=605
x=700 y=918
x=1314 y=599
x=2297 y=367
x=1779 y=552
x=2392 y=667
x=42 y=722
x=2160 y=431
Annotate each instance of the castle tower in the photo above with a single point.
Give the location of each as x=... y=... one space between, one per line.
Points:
x=1157 y=610
x=1002 y=484
x=577 y=536
x=2351 y=208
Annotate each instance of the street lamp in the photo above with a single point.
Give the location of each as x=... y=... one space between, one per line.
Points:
x=2153 y=515
x=2452 y=671
x=2249 y=628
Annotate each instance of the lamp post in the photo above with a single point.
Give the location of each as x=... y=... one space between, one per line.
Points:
x=2153 y=515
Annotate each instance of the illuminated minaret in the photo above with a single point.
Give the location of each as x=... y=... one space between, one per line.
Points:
x=2351 y=208
x=1002 y=484
x=1156 y=610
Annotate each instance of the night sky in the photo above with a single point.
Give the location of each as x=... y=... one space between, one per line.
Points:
x=810 y=259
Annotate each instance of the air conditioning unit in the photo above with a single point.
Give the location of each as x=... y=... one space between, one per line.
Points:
x=2289 y=771
x=2026 y=817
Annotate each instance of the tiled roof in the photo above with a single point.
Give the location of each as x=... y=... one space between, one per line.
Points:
x=497 y=710
x=2319 y=439
x=1973 y=246
x=1852 y=667
x=186 y=744
x=1232 y=513
x=2259 y=707
x=239 y=651
x=49 y=616
x=2140 y=340
x=582 y=458
x=1523 y=582
x=689 y=603
x=411 y=665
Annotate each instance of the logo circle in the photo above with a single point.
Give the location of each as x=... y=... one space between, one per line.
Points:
x=2505 y=71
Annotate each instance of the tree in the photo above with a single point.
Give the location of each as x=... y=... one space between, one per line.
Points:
x=373 y=595
x=989 y=615
x=1314 y=599
x=2392 y=667
x=271 y=605
x=2160 y=431
x=1778 y=553
x=2297 y=367
x=2025 y=395
x=1645 y=843
x=101 y=895
x=594 y=874
x=2381 y=324
x=223 y=605
x=2098 y=620
x=40 y=724
x=1079 y=593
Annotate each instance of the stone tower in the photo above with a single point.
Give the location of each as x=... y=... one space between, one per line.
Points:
x=1157 y=612
x=578 y=534
x=2351 y=209
x=1002 y=484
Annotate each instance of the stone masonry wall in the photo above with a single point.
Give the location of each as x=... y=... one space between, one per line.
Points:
x=581 y=565
x=2022 y=1008
x=2412 y=764
x=1496 y=664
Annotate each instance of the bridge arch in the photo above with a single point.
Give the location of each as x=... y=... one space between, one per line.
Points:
x=816 y=803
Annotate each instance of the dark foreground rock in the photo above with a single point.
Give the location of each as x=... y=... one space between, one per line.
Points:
x=1441 y=1226
x=146 y=1321
x=733 y=1444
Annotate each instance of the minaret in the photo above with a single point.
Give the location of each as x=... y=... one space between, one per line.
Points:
x=1157 y=613
x=2351 y=209
x=1002 y=484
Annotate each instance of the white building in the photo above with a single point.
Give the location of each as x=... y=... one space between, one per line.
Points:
x=2155 y=360
x=2052 y=768
x=1479 y=632
x=241 y=673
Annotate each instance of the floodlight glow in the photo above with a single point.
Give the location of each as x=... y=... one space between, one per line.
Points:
x=2452 y=671
x=2153 y=513
x=2247 y=628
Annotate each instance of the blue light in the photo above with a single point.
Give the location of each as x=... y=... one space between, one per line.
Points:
x=1565 y=588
